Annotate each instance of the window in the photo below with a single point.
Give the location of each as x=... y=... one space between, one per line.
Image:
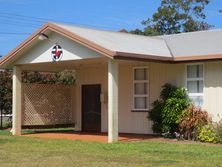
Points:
x=195 y=83
x=140 y=88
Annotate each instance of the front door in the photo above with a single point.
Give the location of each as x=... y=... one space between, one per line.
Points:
x=91 y=108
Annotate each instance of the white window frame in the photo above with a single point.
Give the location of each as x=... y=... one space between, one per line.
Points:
x=141 y=95
x=195 y=79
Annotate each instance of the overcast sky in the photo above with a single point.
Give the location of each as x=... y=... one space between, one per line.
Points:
x=19 y=18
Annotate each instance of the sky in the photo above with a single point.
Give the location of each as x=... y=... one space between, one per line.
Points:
x=20 y=18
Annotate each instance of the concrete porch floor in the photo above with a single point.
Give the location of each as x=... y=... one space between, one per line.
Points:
x=98 y=137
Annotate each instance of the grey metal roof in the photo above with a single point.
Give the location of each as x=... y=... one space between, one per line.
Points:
x=195 y=46
x=195 y=43
x=121 y=42
x=177 y=45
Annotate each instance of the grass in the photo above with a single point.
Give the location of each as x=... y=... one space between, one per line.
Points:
x=33 y=131
x=23 y=151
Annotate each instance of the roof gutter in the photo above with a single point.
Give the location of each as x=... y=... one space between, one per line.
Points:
x=4 y=61
x=142 y=57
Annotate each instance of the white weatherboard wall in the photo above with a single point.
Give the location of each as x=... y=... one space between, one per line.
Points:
x=88 y=76
x=41 y=52
x=213 y=89
x=129 y=122
x=176 y=75
x=159 y=74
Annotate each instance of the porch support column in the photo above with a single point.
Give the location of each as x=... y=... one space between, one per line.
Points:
x=16 y=100
x=113 y=132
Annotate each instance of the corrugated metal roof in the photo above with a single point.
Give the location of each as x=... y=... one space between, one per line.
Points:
x=195 y=43
x=121 y=42
x=184 y=47
x=176 y=45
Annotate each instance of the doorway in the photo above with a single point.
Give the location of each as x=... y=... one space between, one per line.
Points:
x=91 y=108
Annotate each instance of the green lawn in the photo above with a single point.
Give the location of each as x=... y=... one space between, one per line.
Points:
x=23 y=151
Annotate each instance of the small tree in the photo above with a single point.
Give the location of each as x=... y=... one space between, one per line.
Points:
x=166 y=111
x=5 y=92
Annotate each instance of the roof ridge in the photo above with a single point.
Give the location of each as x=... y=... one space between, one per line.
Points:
x=188 y=33
x=159 y=37
x=103 y=30
x=168 y=47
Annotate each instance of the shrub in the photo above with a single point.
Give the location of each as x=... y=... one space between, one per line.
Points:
x=207 y=134
x=218 y=131
x=173 y=108
x=192 y=119
x=166 y=112
x=156 y=116
x=211 y=133
x=66 y=77
x=167 y=91
x=6 y=91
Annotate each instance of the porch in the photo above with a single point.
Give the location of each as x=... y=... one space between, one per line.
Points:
x=81 y=105
x=90 y=72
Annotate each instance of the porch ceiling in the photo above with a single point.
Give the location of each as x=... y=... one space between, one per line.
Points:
x=62 y=65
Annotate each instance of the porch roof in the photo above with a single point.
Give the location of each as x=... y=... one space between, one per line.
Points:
x=195 y=46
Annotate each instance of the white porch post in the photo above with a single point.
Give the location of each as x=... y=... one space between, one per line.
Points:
x=112 y=101
x=16 y=101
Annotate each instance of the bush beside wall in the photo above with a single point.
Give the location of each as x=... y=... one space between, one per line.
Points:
x=192 y=119
x=173 y=113
x=167 y=110
x=211 y=133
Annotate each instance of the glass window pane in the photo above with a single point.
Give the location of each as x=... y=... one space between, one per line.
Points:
x=195 y=86
x=200 y=86
x=195 y=71
x=192 y=71
x=200 y=71
x=140 y=88
x=140 y=74
x=197 y=100
x=140 y=102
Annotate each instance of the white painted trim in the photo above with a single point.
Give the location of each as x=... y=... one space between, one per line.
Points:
x=195 y=94
x=195 y=79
